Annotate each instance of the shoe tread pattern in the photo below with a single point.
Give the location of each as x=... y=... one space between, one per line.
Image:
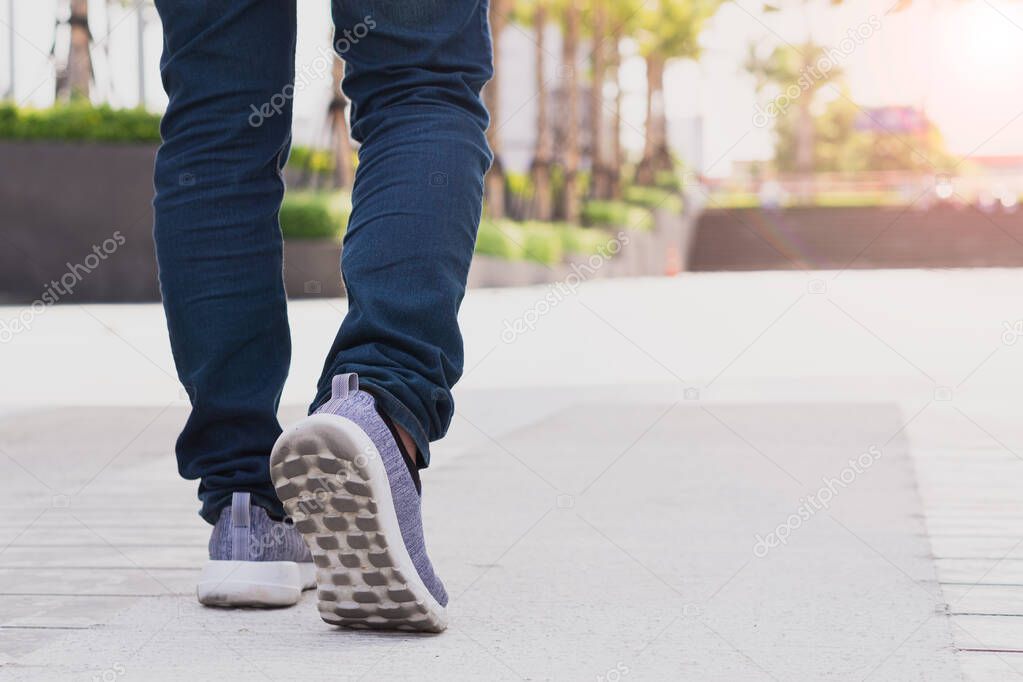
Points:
x=330 y=499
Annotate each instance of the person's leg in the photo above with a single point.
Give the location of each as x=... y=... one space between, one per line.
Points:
x=414 y=70
x=218 y=242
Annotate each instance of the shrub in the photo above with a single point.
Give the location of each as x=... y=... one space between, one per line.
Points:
x=653 y=197
x=557 y=187
x=841 y=199
x=538 y=241
x=600 y=212
x=617 y=214
x=500 y=239
x=79 y=122
x=733 y=200
x=668 y=180
x=543 y=245
x=519 y=185
x=314 y=160
x=585 y=241
x=313 y=216
x=573 y=238
x=856 y=199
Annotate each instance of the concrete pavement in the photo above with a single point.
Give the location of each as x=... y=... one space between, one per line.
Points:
x=646 y=479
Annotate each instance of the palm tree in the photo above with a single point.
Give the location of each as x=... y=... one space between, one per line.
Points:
x=670 y=30
x=75 y=81
x=571 y=21
x=140 y=52
x=543 y=152
x=617 y=150
x=495 y=183
x=602 y=45
x=11 y=35
x=787 y=66
x=623 y=19
x=340 y=140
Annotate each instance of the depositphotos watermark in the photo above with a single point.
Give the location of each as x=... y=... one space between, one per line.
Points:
x=110 y=674
x=316 y=501
x=812 y=504
x=562 y=289
x=818 y=71
x=618 y=672
x=315 y=70
x=59 y=288
x=1012 y=332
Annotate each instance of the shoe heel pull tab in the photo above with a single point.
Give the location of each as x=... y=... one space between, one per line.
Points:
x=343 y=384
x=241 y=515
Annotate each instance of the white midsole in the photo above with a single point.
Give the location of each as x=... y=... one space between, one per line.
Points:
x=254 y=583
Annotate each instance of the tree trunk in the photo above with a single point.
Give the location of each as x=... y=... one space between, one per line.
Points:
x=600 y=181
x=11 y=36
x=544 y=151
x=804 y=149
x=570 y=162
x=617 y=152
x=79 y=63
x=340 y=140
x=656 y=155
x=494 y=182
x=140 y=53
x=804 y=136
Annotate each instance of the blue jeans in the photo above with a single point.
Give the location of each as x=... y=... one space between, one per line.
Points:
x=414 y=73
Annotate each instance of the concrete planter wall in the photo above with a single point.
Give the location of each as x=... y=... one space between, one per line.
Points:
x=643 y=253
x=870 y=237
x=312 y=268
x=59 y=202
x=79 y=214
x=656 y=252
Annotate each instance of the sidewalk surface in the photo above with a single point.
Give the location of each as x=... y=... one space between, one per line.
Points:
x=720 y=476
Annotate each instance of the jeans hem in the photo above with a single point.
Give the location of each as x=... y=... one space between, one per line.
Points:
x=214 y=502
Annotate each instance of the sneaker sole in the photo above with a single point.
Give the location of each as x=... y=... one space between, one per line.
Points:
x=254 y=583
x=333 y=484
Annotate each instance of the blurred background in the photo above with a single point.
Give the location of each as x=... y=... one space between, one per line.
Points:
x=718 y=135
x=727 y=248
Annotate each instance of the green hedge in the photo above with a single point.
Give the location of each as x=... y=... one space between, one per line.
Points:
x=538 y=241
x=307 y=215
x=573 y=239
x=507 y=239
x=499 y=238
x=584 y=241
x=318 y=161
x=857 y=199
x=668 y=180
x=653 y=197
x=739 y=200
x=520 y=185
x=618 y=215
x=543 y=245
x=79 y=121
x=731 y=200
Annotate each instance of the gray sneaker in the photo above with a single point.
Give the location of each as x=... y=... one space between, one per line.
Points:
x=254 y=560
x=351 y=492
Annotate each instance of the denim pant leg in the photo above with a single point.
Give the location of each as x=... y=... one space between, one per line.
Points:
x=414 y=73
x=218 y=241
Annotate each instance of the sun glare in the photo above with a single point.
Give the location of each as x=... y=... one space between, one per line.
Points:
x=992 y=36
